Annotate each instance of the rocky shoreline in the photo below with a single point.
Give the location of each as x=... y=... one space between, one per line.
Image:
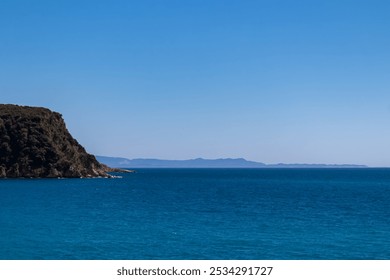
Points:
x=35 y=143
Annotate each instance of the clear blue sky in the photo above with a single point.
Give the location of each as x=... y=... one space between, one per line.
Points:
x=268 y=80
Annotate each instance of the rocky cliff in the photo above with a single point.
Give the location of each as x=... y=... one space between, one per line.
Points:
x=35 y=143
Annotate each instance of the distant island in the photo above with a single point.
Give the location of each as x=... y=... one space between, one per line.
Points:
x=119 y=162
x=35 y=143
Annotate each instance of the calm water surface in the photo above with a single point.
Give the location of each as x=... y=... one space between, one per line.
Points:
x=200 y=214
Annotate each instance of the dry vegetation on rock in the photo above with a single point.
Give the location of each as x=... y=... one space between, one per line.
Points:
x=34 y=142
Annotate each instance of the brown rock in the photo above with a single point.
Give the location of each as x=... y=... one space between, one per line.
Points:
x=34 y=142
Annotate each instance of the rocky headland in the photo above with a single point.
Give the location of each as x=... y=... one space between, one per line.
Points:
x=35 y=143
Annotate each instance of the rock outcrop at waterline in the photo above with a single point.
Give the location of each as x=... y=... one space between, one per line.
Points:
x=35 y=143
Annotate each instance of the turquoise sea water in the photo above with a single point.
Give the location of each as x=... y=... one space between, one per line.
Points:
x=200 y=214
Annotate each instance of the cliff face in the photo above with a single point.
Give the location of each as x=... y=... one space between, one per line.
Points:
x=34 y=142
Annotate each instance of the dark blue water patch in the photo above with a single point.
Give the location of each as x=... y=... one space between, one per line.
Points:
x=200 y=214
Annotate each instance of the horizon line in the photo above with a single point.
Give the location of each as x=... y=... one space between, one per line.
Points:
x=251 y=161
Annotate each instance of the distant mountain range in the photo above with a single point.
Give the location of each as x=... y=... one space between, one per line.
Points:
x=117 y=162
